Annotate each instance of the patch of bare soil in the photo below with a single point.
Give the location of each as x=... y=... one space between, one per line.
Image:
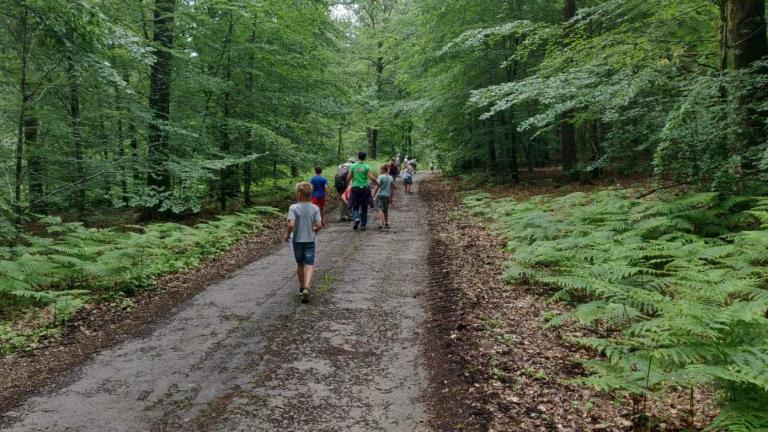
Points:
x=102 y=325
x=495 y=365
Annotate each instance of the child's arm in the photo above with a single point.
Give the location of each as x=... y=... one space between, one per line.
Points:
x=318 y=225
x=291 y=224
x=327 y=190
x=376 y=190
x=373 y=178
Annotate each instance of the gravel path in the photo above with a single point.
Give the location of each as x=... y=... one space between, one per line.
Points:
x=245 y=355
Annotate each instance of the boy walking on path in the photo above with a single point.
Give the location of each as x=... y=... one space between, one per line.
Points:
x=384 y=194
x=410 y=171
x=320 y=191
x=360 y=198
x=304 y=221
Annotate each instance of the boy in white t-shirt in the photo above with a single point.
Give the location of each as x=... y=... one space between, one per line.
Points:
x=383 y=194
x=304 y=221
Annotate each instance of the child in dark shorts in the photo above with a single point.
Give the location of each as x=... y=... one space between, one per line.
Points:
x=384 y=192
x=304 y=222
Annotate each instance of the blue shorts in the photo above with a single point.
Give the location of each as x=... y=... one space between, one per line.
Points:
x=304 y=252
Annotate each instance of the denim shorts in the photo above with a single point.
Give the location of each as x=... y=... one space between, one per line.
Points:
x=382 y=203
x=304 y=252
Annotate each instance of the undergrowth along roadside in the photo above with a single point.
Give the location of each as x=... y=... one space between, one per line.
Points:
x=44 y=280
x=676 y=289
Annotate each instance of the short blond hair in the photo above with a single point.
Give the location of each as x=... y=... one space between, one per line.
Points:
x=304 y=191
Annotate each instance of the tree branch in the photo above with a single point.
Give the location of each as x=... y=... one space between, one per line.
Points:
x=660 y=188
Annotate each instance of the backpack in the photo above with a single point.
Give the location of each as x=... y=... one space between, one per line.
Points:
x=394 y=170
x=340 y=181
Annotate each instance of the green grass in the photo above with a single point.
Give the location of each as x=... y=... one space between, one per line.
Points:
x=675 y=291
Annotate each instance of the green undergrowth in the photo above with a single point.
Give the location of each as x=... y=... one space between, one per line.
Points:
x=46 y=279
x=675 y=290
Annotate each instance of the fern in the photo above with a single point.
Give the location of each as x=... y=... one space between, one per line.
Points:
x=63 y=271
x=682 y=281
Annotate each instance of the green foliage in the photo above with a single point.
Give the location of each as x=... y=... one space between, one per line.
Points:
x=680 y=284
x=75 y=264
x=254 y=86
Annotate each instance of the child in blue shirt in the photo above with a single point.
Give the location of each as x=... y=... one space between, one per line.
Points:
x=320 y=191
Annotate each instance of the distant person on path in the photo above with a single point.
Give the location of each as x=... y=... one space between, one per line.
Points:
x=340 y=183
x=410 y=171
x=360 y=197
x=304 y=222
x=320 y=190
x=394 y=171
x=383 y=195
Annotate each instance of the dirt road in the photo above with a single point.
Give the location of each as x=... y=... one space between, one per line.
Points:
x=246 y=355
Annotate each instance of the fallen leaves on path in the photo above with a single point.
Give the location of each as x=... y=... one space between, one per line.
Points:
x=495 y=365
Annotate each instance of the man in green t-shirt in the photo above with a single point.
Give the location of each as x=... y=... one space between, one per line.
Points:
x=360 y=198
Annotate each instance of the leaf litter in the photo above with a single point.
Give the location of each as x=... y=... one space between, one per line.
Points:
x=496 y=365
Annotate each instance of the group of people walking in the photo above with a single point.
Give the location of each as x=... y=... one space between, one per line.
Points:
x=353 y=183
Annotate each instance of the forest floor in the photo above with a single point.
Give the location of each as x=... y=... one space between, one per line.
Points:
x=509 y=370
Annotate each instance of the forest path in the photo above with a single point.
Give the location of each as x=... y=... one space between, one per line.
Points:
x=246 y=355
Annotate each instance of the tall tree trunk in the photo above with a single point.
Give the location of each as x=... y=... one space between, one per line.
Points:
x=369 y=135
x=341 y=143
x=509 y=127
x=746 y=31
x=747 y=42
x=133 y=135
x=409 y=139
x=374 y=142
x=121 y=157
x=509 y=149
x=567 y=128
x=225 y=174
x=490 y=131
x=379 y=67
x=499 y=122
x=568 y=142
x=248 y=146
x=597 y=152
x=35 y=165
x=569 y=10
x=24 y=48
x=723 y=29
x=77 y=137
x=160 y=97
